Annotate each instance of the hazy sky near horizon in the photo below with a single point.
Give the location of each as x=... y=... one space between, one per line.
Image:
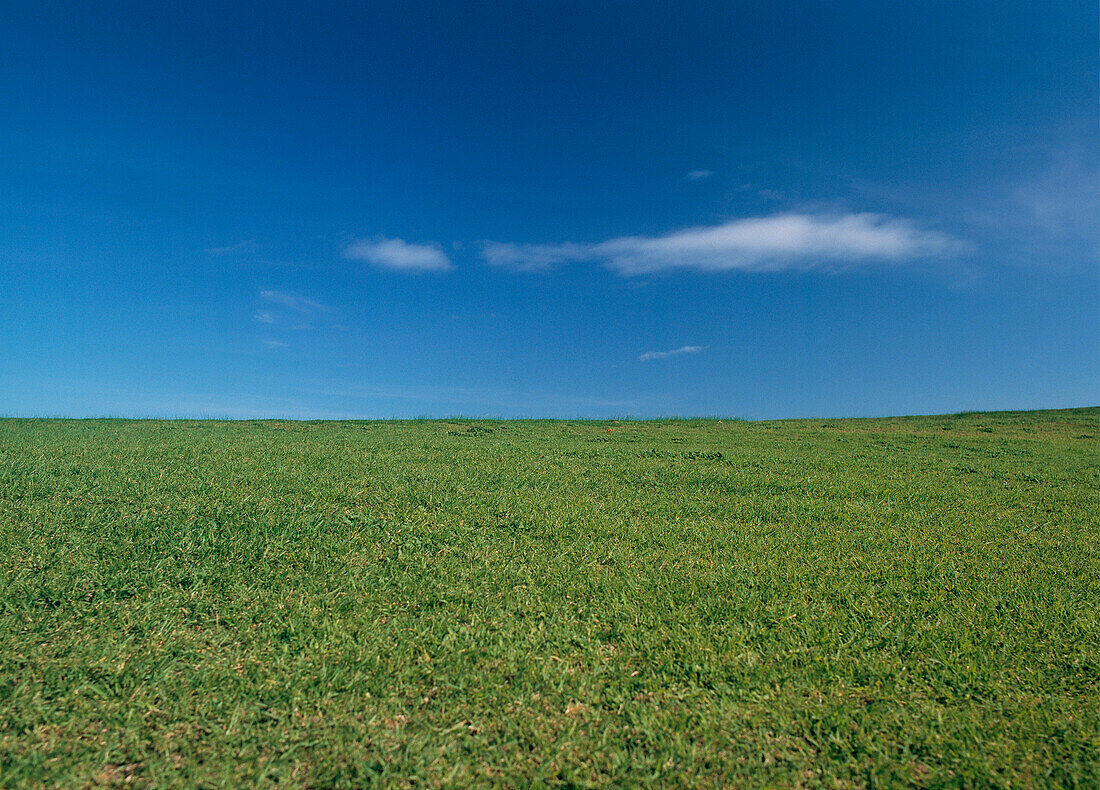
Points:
x=391 y=209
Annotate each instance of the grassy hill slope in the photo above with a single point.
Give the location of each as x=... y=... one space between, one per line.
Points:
x=849 y=603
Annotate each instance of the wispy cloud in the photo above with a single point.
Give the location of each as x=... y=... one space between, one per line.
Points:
x=241 y=246
x=647 y=356
x=275 y=344
x=264 y=317
x=1063 y=198
x=758 y=244
x=699 y=175
x=400 y=255
x=298 y=304
x=533 y=257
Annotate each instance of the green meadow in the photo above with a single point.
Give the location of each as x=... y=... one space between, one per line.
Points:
x=806 y=603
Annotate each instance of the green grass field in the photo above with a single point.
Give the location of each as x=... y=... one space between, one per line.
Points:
x=840 y=603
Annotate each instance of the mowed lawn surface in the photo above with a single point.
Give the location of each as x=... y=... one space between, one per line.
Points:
x=847 y=603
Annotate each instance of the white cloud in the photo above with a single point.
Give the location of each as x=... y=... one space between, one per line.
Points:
x=400 y=255
x=275 y=344
x=533 y=257
x=264 y=317
x=759 y=244
x=1063 y=199
x=647 y=356
x=241 y=246
x=699 y=175
x=298 y=304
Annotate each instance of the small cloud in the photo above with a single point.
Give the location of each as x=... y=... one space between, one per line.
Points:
x=1063 y=199
x=241 y=246
x=699 y=175
x=264 y=317
x=275 y=344
x=532 y=257
x=757 y=244
x=647 y=356
x=298 y=304
x=400 y=255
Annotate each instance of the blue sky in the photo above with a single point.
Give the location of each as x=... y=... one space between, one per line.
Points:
x=393 y=209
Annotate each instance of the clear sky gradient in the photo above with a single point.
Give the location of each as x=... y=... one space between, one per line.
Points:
x=393 y=209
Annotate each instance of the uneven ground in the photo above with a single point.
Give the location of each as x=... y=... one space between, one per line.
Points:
x=847 y=603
